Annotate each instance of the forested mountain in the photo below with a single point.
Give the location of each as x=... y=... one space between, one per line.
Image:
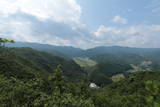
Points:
x=65 y=51
x=115 y=60
x=79 y=53
x=138 y=90
x=28 y=80
x=106 y=62
x=101 y=50
x=125 y=77
x=40 y=62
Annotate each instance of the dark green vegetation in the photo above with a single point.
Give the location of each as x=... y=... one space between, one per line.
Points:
x=101 y=63
x=38 y=62
x=139 y=90
x=31 y=78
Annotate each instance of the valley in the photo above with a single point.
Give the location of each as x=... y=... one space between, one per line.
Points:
x=37 y=75
x=79 y=53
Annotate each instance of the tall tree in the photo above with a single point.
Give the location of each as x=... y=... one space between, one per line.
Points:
x=58 y=79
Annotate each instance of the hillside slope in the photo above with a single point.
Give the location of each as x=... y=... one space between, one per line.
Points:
x=65 y=51
x=27 y=80
x=37 y=61
x=139 y=90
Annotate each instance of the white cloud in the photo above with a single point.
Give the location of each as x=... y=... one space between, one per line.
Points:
x=15 y=30
x=49 y=32
x=57 y=22
x=133 y=36
x=44 y=21
x=58 y=10
x=154 y=6
x=120 y=20
x=24 y=27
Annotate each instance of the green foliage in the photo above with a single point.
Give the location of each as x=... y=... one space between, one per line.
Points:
x=85 y=62
x=17 y=93
x=61 y=94
x=26 y=81
x=139 y=90
x=153 y=88
x=30 y=60
x=103 y=72
x=3 y=41
x=57 y=80
x=118 y=77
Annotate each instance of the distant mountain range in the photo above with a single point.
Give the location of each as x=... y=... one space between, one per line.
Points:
x=66 y=51
x=101 y=54
x=124 y=76
x=101 y=63
x=69 y=51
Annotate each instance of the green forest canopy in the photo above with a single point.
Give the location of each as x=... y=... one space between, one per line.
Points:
x=22 y=85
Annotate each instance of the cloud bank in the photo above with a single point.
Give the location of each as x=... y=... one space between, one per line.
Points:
x=58 y=10
x=57 y=22
x=133 y=36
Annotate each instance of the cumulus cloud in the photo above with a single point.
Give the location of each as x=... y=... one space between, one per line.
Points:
x=133 y=36
x=120 y=20
x=59 y=10
x=57 y=22
x=15 y=30
x=44 y=21
x=25 y=27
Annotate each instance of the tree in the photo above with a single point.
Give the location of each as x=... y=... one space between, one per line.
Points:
x=3 y=41
x=153 y=88
x=62 y=96
x=57 y=80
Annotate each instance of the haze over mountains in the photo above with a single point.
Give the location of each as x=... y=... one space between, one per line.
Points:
x=119 y=74
x=101 y=63
x=70 y=51
x=30 y=77
x=99 y=54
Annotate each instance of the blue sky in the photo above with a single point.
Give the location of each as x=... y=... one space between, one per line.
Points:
x=82 y=23
x=100 y=12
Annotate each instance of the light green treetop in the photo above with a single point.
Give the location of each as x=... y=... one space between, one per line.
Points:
x=3 y=41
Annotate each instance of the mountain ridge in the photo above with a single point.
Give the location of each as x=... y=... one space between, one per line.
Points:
x=70 y=51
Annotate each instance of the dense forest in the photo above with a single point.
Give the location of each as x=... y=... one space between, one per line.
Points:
x=36 y=78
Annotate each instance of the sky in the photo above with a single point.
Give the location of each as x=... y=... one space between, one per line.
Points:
x=82 y=23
